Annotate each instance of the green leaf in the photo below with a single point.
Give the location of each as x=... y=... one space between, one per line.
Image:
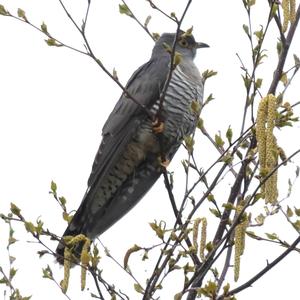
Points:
x=208 y=73
x=272 y=236
x=177 y=58
x=128 y=253
x=247 y=81
x=53 y=187
x=147 y=21
x=29 y=227
x=173 y=15
x=138 y=288
x=4 y=281
x=297 y=171
x=246 y=29
x=239 y=154
x=62 y=201
x=195 y=106
x=219 y=140
x=158 y=230
x=259 y=33
x=124 y=9
x=21 y=14
x=15 y=210
x=253 y=235
x=113 y=297
x=209 y=246
x=297 y=62
x=215 y=212
x=289 y=212
x=155 y=36
x=189 y=143
x=226 y=288
x=227 y=158
x=11 y=259
x=208 y=99
x=3 y=11
x=228 y=206
x=44 y=28
x=284 y=79
x=178 y=296
x=258 y=83
x=47 y=273
x=53 y=42
x=200 y=123
x=297 y=211
x=12 y=273
x=274 y=9
x=260 y=219
x=67 y=217
x=297 y=224
x=229 y=134
x=210 y=197
x=279 y=47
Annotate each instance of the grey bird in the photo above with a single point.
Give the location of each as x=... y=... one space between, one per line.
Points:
x=129 y=159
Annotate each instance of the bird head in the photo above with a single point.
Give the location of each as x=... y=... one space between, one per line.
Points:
x=186 y=44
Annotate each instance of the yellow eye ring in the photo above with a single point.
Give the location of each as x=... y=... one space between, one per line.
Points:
x=183 y=43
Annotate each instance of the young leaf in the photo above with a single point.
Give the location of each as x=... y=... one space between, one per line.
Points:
x=30 y=227
x=246 y=29
x=53 y=42
x=147 y=21
x=297 y=62
x=124 y=9
x=3 y=11
x=15 y=210
x=229 y=134
x=138 y=288
x=219 y=140
x=272 y=236
x=53 y=187
x=289 y=212
x=208 y=73
x=21 y=14
x=44 y=28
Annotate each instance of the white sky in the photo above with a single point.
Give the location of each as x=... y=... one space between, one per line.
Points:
x=53 y=105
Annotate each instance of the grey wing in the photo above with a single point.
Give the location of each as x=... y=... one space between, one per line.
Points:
x=145 y=86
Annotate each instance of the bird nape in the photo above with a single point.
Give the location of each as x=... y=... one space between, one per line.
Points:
x=135 y=147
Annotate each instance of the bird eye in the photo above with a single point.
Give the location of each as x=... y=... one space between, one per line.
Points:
x=183 y=43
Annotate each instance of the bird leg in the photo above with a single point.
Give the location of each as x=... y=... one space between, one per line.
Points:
x=158 y=126
x=164 y=162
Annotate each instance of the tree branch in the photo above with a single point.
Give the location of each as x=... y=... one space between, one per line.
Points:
x=262 y=272
x=283 y=55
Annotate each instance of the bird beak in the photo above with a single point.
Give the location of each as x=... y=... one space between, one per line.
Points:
x=201 y=45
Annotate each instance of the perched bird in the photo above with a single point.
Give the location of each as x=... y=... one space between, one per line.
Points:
x=131 y=156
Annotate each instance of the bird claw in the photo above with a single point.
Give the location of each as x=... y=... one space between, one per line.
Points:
x=158 y=126
x=165 y=163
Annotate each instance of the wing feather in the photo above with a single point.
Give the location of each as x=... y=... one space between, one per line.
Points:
x=145 y=86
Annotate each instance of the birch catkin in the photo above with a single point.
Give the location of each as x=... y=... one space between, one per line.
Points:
x=267 y=146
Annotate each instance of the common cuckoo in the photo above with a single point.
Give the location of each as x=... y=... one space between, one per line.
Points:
x=129 y=159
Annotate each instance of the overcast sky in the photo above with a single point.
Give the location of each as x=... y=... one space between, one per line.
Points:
x=54 y=103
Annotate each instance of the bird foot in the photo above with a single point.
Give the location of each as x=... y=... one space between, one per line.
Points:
x=158 y=126
x=165 y=163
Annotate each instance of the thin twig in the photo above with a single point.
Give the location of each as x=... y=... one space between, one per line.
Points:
x=283 y=55
x=132 y=15
x=262 y=272
x=161 y=11
x=178 y=216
